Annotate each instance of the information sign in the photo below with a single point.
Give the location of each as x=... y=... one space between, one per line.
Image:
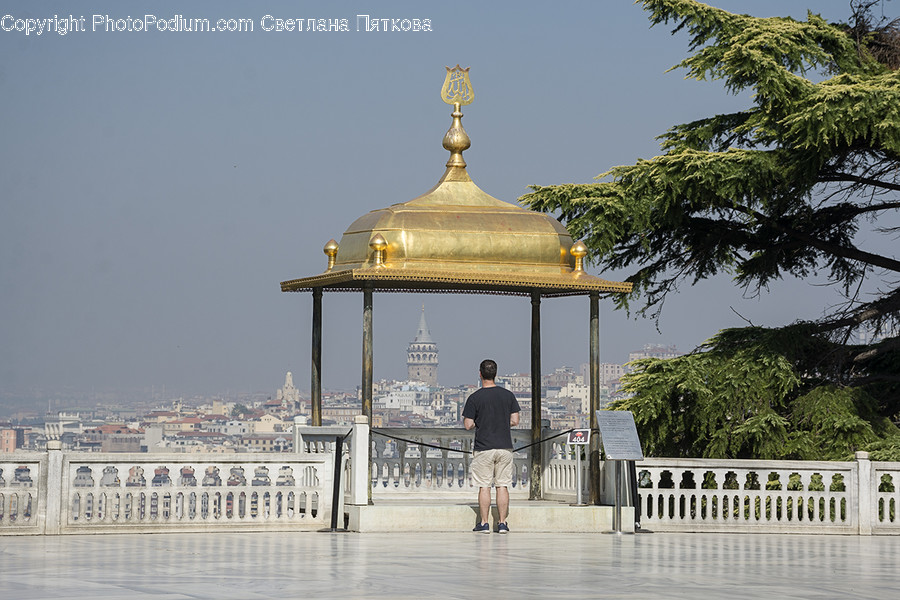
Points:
x=618 y=435
x=579 y=437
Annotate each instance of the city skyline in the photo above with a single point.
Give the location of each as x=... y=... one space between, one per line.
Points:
x=152 y=209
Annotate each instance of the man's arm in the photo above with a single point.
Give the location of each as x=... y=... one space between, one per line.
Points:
x=470 y=423
x=514 y=419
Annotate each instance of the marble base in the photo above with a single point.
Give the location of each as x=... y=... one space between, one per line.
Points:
x=533 y=517
x=254 y=566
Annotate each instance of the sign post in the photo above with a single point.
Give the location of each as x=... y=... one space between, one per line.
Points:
x=578 y=437
x=619 y=437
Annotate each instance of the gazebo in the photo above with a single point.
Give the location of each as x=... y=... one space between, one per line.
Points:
x=455 y=238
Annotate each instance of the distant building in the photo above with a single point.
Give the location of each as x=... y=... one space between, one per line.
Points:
x=267 y=442
x=9 y=440
x=339 y=411
x=518 y=383
x=113 y=437
x=270 y=424
x=422 y=355
x=561 y=377
x=579 y=392
x=611 y=373
x=407 y=397
x=288 y=396
x=654 y=351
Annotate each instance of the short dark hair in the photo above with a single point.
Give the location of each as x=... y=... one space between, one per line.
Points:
x=488 y=369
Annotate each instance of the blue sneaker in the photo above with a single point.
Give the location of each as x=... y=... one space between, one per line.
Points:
x=482 y=528
x=502 y=528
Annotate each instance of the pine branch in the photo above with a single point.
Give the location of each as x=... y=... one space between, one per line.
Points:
x=827 y=247
x=873 y=310
x=881 y=349
x=837 y=176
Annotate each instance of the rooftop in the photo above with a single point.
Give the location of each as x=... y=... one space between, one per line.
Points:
x=455 y=237
x=448 y=565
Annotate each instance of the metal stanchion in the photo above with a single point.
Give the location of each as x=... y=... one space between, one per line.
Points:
x=617 y=515
x=578 y=439
x=578 y=475
x=635 y=497
x=336 y=490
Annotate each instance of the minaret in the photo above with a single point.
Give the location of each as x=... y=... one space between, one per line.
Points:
x=422 y=355
x=289 y=396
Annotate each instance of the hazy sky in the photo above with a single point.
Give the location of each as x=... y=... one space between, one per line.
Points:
x=157 y=187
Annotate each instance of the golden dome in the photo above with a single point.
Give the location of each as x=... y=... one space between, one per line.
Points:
x=456 y=226
x=457 y=237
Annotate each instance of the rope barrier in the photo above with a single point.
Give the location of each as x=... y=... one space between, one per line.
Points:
x=543 y=440
x=399 y=439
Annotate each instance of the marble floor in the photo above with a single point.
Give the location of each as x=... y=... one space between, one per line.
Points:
x=448 y=565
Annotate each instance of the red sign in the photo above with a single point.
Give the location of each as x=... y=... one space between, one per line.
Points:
x=579 y=436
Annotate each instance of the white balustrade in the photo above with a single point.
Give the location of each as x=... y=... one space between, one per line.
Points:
x=748 y=495
x=109 y=492
x=560 y=476
x=21 y=506
x=405 y=464
x=71 y=492
x=886 y=496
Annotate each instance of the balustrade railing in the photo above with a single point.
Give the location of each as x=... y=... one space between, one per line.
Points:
x=886 y=483
x=21 y=504
x=420 y=462
x=405 y=462
x=109 y=492
x=749 y=495
x=72 y=492
x=560 y=475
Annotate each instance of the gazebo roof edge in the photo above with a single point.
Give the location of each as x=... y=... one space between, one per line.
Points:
x=387 y=279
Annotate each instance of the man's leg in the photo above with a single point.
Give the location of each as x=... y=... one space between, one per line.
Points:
x=484 y=503
x=502 y=502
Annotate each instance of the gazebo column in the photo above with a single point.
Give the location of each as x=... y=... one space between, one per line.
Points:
x=594 y=462
x=536 y=450
x=315 y=384
x=367 y=361
x=367 y=357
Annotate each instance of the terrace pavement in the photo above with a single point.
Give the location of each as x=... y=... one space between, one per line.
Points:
x=251 y=566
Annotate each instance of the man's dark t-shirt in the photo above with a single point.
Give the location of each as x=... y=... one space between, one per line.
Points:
x=490 y=408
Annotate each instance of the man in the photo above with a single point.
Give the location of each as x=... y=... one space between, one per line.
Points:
x=492 y=411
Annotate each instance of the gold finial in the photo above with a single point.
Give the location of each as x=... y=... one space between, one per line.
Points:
x=330 y=250
x=457 y=91
x=379 y=245
x=579 y=251
x=457 y=88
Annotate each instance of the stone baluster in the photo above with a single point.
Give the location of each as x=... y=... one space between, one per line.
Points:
x=421 y=480
x=445 y=467
x=866 y=485
x=403 y=474
x=360 y=483
x=379 y=460
x=53 y=513
x=805 y=478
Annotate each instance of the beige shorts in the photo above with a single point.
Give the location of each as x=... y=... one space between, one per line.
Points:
x=492 y=467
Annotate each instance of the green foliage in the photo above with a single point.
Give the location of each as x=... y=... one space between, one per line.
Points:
x=741 y=397
x=780 y=188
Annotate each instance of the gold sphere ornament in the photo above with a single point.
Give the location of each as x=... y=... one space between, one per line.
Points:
x=330 y=250
x=379 y=245
x=579 y=251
